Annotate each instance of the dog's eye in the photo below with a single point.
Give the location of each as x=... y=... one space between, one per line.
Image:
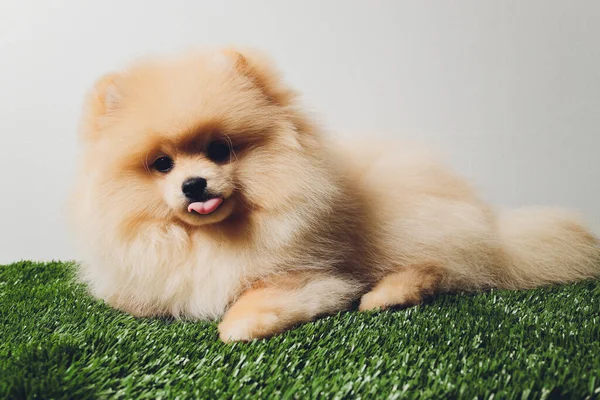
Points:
x=163 y=164
x=218 y=151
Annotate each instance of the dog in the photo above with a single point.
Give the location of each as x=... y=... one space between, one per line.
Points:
x=205 y=192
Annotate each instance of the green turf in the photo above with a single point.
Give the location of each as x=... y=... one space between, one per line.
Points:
x=56 y=342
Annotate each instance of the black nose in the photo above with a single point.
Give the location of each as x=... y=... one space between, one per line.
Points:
x=195 y=189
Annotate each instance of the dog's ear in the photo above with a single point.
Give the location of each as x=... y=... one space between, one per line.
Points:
x=257 y=67
x=104 y=99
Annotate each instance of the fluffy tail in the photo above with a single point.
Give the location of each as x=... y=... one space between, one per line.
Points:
x=545 y=246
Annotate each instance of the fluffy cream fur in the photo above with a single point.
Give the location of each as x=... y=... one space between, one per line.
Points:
x=306 y=226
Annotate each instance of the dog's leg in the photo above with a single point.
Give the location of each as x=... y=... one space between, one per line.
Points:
x=405 y=288
x=272 y=306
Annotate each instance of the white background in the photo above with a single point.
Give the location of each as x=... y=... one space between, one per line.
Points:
x=509 y=89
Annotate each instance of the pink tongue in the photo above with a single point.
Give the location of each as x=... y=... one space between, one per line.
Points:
x=205 y=207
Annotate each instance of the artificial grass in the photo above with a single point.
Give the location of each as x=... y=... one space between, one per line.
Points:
x=57 y=342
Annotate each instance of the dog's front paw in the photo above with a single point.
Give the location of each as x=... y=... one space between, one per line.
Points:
x=238 y=327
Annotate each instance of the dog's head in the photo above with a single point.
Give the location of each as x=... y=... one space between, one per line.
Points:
x=197 y=139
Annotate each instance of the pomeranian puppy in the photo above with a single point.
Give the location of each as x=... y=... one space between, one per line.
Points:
x=204 y=192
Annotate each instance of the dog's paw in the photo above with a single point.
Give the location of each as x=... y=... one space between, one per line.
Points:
x=374 y=300
x=381 y=298
x=244 y=328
